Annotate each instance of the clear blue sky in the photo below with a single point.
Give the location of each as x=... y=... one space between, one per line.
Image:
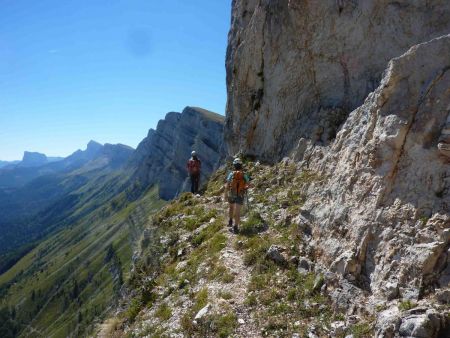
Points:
x=108 y=70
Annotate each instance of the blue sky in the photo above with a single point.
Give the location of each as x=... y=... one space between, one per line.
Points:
x=108 y=70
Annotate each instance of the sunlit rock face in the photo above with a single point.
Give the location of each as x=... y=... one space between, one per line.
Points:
x=357 y=92
x=161 y=157
x=297 y=68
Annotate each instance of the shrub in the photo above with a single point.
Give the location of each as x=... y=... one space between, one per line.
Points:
x=253 y=225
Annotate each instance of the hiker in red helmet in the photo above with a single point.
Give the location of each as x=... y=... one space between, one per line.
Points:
x=194 y=166
x=235 y=188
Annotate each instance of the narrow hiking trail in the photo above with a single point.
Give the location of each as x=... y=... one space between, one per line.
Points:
x=232 y=259
x=231 y=295
x=194 y=278
x=222 y=276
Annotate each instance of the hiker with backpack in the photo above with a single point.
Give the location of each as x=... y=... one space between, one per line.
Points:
x=194 y=166
x=235 y=189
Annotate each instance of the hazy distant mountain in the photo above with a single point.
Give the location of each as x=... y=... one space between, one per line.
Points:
x=7 y=163
x=30 y=159
x=34 y=164
x=27 y=210
x=33 y=159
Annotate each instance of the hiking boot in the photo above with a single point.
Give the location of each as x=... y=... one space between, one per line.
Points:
x=235 y=229
x=230 y=222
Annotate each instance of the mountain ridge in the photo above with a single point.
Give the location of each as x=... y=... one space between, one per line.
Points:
x=90 y=227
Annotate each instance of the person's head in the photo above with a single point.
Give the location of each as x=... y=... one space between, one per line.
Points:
x=194 y=153
x=237 y=163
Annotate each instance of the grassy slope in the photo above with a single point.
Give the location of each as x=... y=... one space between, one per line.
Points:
x=71 y=278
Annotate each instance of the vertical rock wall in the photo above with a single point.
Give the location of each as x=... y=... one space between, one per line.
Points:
x=296 y=68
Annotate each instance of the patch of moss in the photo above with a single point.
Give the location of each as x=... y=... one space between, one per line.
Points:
x=362 y=330
x=406 y=305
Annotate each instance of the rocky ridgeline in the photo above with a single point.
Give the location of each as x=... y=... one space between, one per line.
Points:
x=161 y=157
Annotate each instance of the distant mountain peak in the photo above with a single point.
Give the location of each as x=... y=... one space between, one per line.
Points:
x=93 y=145
x=33 y=159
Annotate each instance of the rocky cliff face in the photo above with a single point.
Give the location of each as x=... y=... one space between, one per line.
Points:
x=380 y=216
x=382 y=219
x=297 y=68
x=161 y=157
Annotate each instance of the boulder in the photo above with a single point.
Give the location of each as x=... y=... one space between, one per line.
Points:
x=275 y=253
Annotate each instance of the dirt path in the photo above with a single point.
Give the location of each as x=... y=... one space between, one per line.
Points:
x=232 y=259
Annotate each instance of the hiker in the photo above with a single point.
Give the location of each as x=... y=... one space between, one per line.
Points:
x=235 y=188
x=194 y=166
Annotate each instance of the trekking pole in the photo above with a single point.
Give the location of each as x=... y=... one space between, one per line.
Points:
x=248 y=202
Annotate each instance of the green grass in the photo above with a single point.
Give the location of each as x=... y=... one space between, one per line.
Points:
x=253 y=225
x=406 y=305
x=164 y=312
x=362 y=330
x=255 y=249
x=76 y=255
x=225 y=324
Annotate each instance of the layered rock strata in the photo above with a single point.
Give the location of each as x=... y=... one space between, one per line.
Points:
x=297 y=68
x=161 y=157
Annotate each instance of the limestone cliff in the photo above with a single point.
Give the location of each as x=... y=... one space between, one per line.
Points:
x=297 y=68
x=161 y=157
x=314 y=80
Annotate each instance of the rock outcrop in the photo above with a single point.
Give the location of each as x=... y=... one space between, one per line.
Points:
x=388 y=191
x=297 y=68
x=161 y=157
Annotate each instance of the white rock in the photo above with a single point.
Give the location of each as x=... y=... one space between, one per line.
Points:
x=202 y=313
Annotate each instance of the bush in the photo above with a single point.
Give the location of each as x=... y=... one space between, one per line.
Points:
x=133 y=309
x=163 y=312
x=253 y=225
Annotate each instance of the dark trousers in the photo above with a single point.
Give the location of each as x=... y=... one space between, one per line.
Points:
x=195 y=181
